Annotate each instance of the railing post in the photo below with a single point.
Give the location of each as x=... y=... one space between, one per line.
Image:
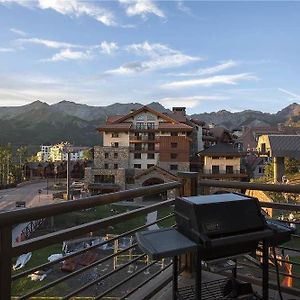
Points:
x=189 y=180
x=190 y=183
x=5 y=263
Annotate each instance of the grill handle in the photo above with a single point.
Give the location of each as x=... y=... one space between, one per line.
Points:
x=240 y=238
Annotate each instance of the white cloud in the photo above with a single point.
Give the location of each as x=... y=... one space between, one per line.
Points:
x=6 y=49
x=209 y=81
x=142 y=8
x=189 y=101
x=47 y=43
x=160 y=57
x=78 y=8
x=182 y=7
x=163 y=62
x=67 y=54
x=148 y=49
x=108 y=47
x=211 y=70
x=72 y=8
x=18 y=31
x=294 y=96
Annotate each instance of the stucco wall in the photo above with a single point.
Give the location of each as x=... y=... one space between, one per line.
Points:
x=122 y=139
x=222 y=162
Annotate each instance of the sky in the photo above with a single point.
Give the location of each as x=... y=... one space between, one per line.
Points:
x=205 y=55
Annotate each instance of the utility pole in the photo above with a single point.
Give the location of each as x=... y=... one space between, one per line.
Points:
x=68 y=175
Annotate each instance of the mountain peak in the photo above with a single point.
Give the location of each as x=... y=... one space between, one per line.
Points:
x=37 y=104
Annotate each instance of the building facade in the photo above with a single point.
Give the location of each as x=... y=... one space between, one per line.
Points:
x=145 y=139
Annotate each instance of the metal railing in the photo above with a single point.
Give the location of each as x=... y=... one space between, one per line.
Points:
x=282 y=208
x=10 y=250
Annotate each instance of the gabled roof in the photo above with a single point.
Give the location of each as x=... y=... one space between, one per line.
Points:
x=158 y=169
x=285 y=145
x=177 y=126
x=142 y=109
x=112 y=119
x=221 y=149
x=113 y=126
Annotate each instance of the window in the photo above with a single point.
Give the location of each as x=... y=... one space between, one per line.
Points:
x=174 y=133
x=229 y=169
x=149 y=166
x=115 y=145
x=174 y=145
x=173 y=155
x=137 y=166
x=114 y=135
x=137 y=156
x=105 y=166
x=137 y=147
x=173 y=167
x=215 y=169
x=151 y=125
x=150 y=156
x=151 y=136
x=106 y=155
x=116 y=166
x=215 y=157
x=104 y=179
x=139 y=125
x=229 y=157
x=151 y=146
x=116 y=154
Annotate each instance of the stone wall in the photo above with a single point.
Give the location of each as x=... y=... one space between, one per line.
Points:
x=122 y=158
x=182 y=166
x=118 y=173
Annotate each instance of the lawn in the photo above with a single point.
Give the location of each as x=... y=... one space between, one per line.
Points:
x=72 y=219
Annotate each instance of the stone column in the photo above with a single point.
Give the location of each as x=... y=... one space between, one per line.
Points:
x=278 y=168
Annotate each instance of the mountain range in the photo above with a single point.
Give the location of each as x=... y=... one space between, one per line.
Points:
x=39 y=122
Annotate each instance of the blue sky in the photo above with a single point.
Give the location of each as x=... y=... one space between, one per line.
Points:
x=205 y=55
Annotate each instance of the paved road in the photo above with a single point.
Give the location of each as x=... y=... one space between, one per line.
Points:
x=28 y=193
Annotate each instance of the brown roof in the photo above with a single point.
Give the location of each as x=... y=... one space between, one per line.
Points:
x=145 y=108
x=112 y=127
x=156 y=168
x=285 y=146
x=221 y=149
x=177 y=126
x=112 y=119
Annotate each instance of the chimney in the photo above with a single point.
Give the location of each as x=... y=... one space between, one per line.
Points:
x=179 y=110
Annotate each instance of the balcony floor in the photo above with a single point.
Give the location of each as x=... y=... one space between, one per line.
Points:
x=166 y=292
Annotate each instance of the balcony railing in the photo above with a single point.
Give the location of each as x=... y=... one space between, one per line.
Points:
x=143 y=127
x=11 y=249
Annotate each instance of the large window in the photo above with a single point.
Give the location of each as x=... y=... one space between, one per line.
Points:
x=173 y=167
x=137 y=166
x=151 y=146
x=150 y=156
x=229 y=169
x=174 y=145
x=104 y=179
x=114 y=135
x=137 y=156
x=215 y=169
x=106 y=154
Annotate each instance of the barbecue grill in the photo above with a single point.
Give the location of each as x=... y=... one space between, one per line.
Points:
x=214 y=226
x=222 y=225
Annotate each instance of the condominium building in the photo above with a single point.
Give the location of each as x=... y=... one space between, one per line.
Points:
x=141 y=141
